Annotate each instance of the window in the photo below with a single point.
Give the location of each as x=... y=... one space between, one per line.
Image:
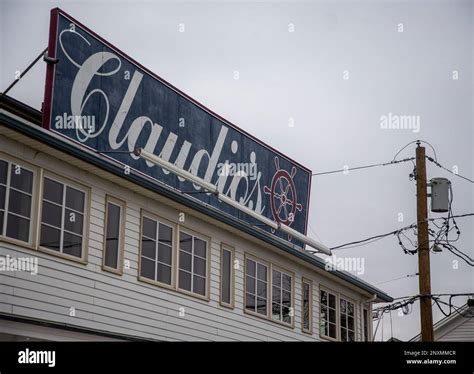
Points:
x=366 y=325
x=328 y=320
x=307 y=307
x=282 y=309
x=156 y=251
x=16 y=201
x=113 y=238
x=256 y=287
x=347 y=320
x=62 y=218
x=227 y=277
x=192 y=264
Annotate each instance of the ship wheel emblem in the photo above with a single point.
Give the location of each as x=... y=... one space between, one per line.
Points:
x=283 y=195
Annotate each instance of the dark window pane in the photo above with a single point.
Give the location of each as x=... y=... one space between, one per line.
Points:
x=147 y=268
x=250 y=285
x=350 y=308
x=75 y=199
x=276 y=294
x=286 y=298
x=72 y=245
x=21 y=179
x=149 y=248
x=286 y=281
x=261 y=272
x=73 y=221
x=185 y=242
x=3 y=172
x=332 y=301
x=53 y=191
x=164 y=274
x=113 y=221
x=184 y=261
x=226 y=272
x=164 y=253
x=18 y=228
x=324 y=298
x=149 y=228
x=199 y=247
x=332 y=330
x=276 y=278
x=250 y=268
x=332 y=315
x=112 y=236
x=199 y=285
x=2 y=197
x=250 y=301
x=350 y=323
x=343 y=320
x=276 y=311
x=199 y=266
x=19 y=203
x=184 y=280
x=50 y=237
x=343 y=335
x=343 y=306
x=166 y=234
x=286 y=314
x=261 y=289
x=261 y=306
x=51 y=214
x=111 y=253
x=1 y=223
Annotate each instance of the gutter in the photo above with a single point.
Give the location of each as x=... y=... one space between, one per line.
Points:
x=38 y=133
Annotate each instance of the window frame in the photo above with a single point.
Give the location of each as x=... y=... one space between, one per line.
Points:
x=268 y=266
x=193 y=233
x=309 y=282
x=158 y=219
x=122 y=223
x=350 y=300
x=226 y=247
x=285 y=271
x=35 y=195
x=68 y=182
x=368 y=325
x=336 y=294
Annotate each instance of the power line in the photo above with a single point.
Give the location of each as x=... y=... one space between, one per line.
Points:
x=393 y=162
x=395 y=279
x=448 y=170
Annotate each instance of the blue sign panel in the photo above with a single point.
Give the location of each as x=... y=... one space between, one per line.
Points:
x=105 y=101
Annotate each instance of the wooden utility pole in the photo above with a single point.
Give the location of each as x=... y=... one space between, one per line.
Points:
x=426 y=313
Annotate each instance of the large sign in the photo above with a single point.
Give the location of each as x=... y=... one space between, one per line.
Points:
x=105 y=101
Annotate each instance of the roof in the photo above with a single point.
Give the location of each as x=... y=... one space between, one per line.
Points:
x=33 y=129
x=446 y=320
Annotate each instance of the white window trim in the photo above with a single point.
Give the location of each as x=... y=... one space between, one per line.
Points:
x=292 y=296
x=348 y=300
x=336 y=294
x=86 y=226
x=174 y=265
x=208 y=262
x=32 y=238
x=268 y=266
x=310 y=284
x=121 y=245
x=228 y=248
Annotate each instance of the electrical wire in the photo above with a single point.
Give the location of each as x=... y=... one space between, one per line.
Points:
x=393 y=162
x=434 y=161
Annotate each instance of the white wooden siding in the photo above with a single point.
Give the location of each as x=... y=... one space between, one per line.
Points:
x=121 y=304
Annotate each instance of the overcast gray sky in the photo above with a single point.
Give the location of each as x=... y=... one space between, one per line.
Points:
x=345 y=65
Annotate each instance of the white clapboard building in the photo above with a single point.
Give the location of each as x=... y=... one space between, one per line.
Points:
x=99 y=244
